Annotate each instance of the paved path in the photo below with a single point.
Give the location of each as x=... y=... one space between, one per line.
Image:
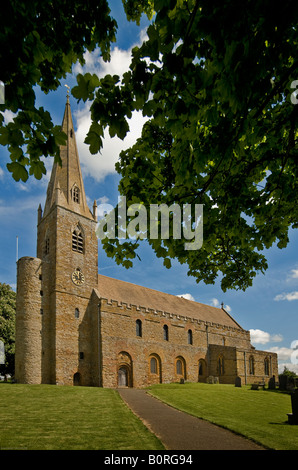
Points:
x=181 y=431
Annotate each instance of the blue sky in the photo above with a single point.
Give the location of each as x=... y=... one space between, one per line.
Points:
x=269 y=308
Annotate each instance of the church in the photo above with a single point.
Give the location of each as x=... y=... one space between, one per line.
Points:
x=76 y=327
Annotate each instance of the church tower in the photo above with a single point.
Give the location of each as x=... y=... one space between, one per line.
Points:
x=67 y=257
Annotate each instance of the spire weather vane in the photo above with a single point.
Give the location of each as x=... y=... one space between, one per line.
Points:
x=68 y=88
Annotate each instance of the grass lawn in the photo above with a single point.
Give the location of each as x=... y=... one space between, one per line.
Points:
x=49 y=417
x=260 y=415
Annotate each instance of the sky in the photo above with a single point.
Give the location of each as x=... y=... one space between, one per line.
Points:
x=268 y=309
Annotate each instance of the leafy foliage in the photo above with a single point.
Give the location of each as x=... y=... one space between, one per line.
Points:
x=7 y=325
x=39 y=43
x=214 y=81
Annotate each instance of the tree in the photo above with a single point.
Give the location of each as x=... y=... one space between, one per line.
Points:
x=39 y=43
x=7 y=326
x=217 y=83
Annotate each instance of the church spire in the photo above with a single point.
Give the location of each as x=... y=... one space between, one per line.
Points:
x=66 y=187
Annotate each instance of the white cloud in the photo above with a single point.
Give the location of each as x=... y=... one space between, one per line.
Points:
x=284 y=354
x=100 y=165
x=215 y=302
x=186 y=296
x=289 y=296
x=294 y=273
x=263 y=337
x=1 y=173
x=119 y=63
x=276 y=338
x=259 y=336
x=289 y=365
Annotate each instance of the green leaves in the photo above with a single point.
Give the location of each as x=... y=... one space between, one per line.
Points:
x=94 y=138
x=86 y=86
x=39 y=45
x=18 y=171
x=221 y=131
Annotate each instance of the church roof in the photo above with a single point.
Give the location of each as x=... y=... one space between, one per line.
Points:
x=133 y=294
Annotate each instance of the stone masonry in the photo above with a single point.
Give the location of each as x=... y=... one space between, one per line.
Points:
x=76 y=327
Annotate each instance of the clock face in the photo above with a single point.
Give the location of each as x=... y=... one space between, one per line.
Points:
x=78 y=277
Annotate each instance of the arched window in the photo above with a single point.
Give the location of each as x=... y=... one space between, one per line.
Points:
x=189 y=337
x=251 y=365
x=221 y=365
x=154 y=368
x=153 y=365
x=166 y=332
x=266 y=366
x=179 y=368
x=76 y=194
x=77 y=313
x=139 y=328
x=77 y=240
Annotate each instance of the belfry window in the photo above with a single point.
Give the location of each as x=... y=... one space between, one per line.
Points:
x=76 y=194
x=77 y=241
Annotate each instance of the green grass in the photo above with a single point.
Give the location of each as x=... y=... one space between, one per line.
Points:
x=260 y=415
x=49 y=417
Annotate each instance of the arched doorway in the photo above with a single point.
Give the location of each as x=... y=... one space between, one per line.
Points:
x=124 y=370
x=202 y=371
x=123 y=376
x=77 y=378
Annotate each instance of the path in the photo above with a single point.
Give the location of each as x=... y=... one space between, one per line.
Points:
x=181 y=431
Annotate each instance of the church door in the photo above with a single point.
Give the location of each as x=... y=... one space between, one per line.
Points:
x=122 y=377
x=77 y=378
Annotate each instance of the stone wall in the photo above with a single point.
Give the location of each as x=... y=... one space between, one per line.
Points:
x=28 y=321
x=119 y=340
x=66 y=320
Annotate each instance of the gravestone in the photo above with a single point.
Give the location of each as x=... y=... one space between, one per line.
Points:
x=271 y=383
x=238 y=382
x=293 y=417
x=283 y=381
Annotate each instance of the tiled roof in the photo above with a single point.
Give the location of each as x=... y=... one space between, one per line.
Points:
x=133 y=294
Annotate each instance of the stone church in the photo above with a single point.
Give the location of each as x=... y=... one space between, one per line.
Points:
x=76 y=327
